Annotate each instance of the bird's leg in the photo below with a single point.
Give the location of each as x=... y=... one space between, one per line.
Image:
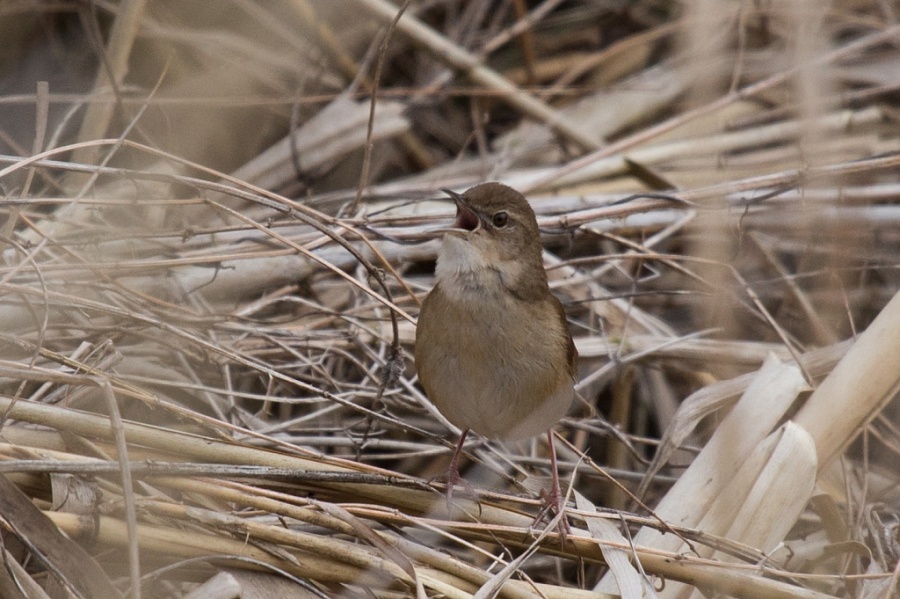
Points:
x=554 y=502
x=451 y=477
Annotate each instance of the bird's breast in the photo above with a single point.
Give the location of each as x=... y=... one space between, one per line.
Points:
x=493 y=363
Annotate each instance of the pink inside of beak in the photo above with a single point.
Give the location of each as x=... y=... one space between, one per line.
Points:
x=465 y=219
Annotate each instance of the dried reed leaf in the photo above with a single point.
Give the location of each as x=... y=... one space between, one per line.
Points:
x=69 y=563
x=775 y=386
x=764 y=499
x=15 y=580
x=221 y=586
x=630 y=583
x=777 y=495
x=859 y=387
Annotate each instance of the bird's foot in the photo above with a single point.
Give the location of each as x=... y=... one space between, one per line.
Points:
x=451 y=479
x=554 y=501
x=554 y=505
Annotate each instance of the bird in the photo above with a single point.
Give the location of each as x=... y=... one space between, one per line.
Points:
x=493 y=350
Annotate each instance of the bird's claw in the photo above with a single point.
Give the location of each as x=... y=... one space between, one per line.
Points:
x=451 y=479
x=554 y=505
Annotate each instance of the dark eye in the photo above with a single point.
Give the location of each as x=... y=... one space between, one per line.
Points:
x=500 y=219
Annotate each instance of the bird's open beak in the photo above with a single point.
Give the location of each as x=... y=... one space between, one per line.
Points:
x=466 y=219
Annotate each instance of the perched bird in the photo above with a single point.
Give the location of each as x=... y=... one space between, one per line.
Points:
x=493 y=351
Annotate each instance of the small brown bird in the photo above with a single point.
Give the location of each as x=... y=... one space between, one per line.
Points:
x=493 y=351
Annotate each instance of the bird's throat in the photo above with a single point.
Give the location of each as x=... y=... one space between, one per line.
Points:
x=465 y=270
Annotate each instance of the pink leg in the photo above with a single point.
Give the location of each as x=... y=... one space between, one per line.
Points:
x=451 y=477
x=554 y=501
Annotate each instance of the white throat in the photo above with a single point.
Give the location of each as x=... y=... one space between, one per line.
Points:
x=462 y=268
x=458 y=256
x=466 y=272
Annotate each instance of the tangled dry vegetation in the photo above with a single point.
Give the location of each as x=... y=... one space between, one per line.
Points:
x=214 y=246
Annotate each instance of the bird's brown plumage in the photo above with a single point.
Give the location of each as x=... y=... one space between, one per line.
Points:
x=493 y=351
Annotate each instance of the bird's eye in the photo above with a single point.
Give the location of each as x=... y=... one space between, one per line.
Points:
x=500 y=219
